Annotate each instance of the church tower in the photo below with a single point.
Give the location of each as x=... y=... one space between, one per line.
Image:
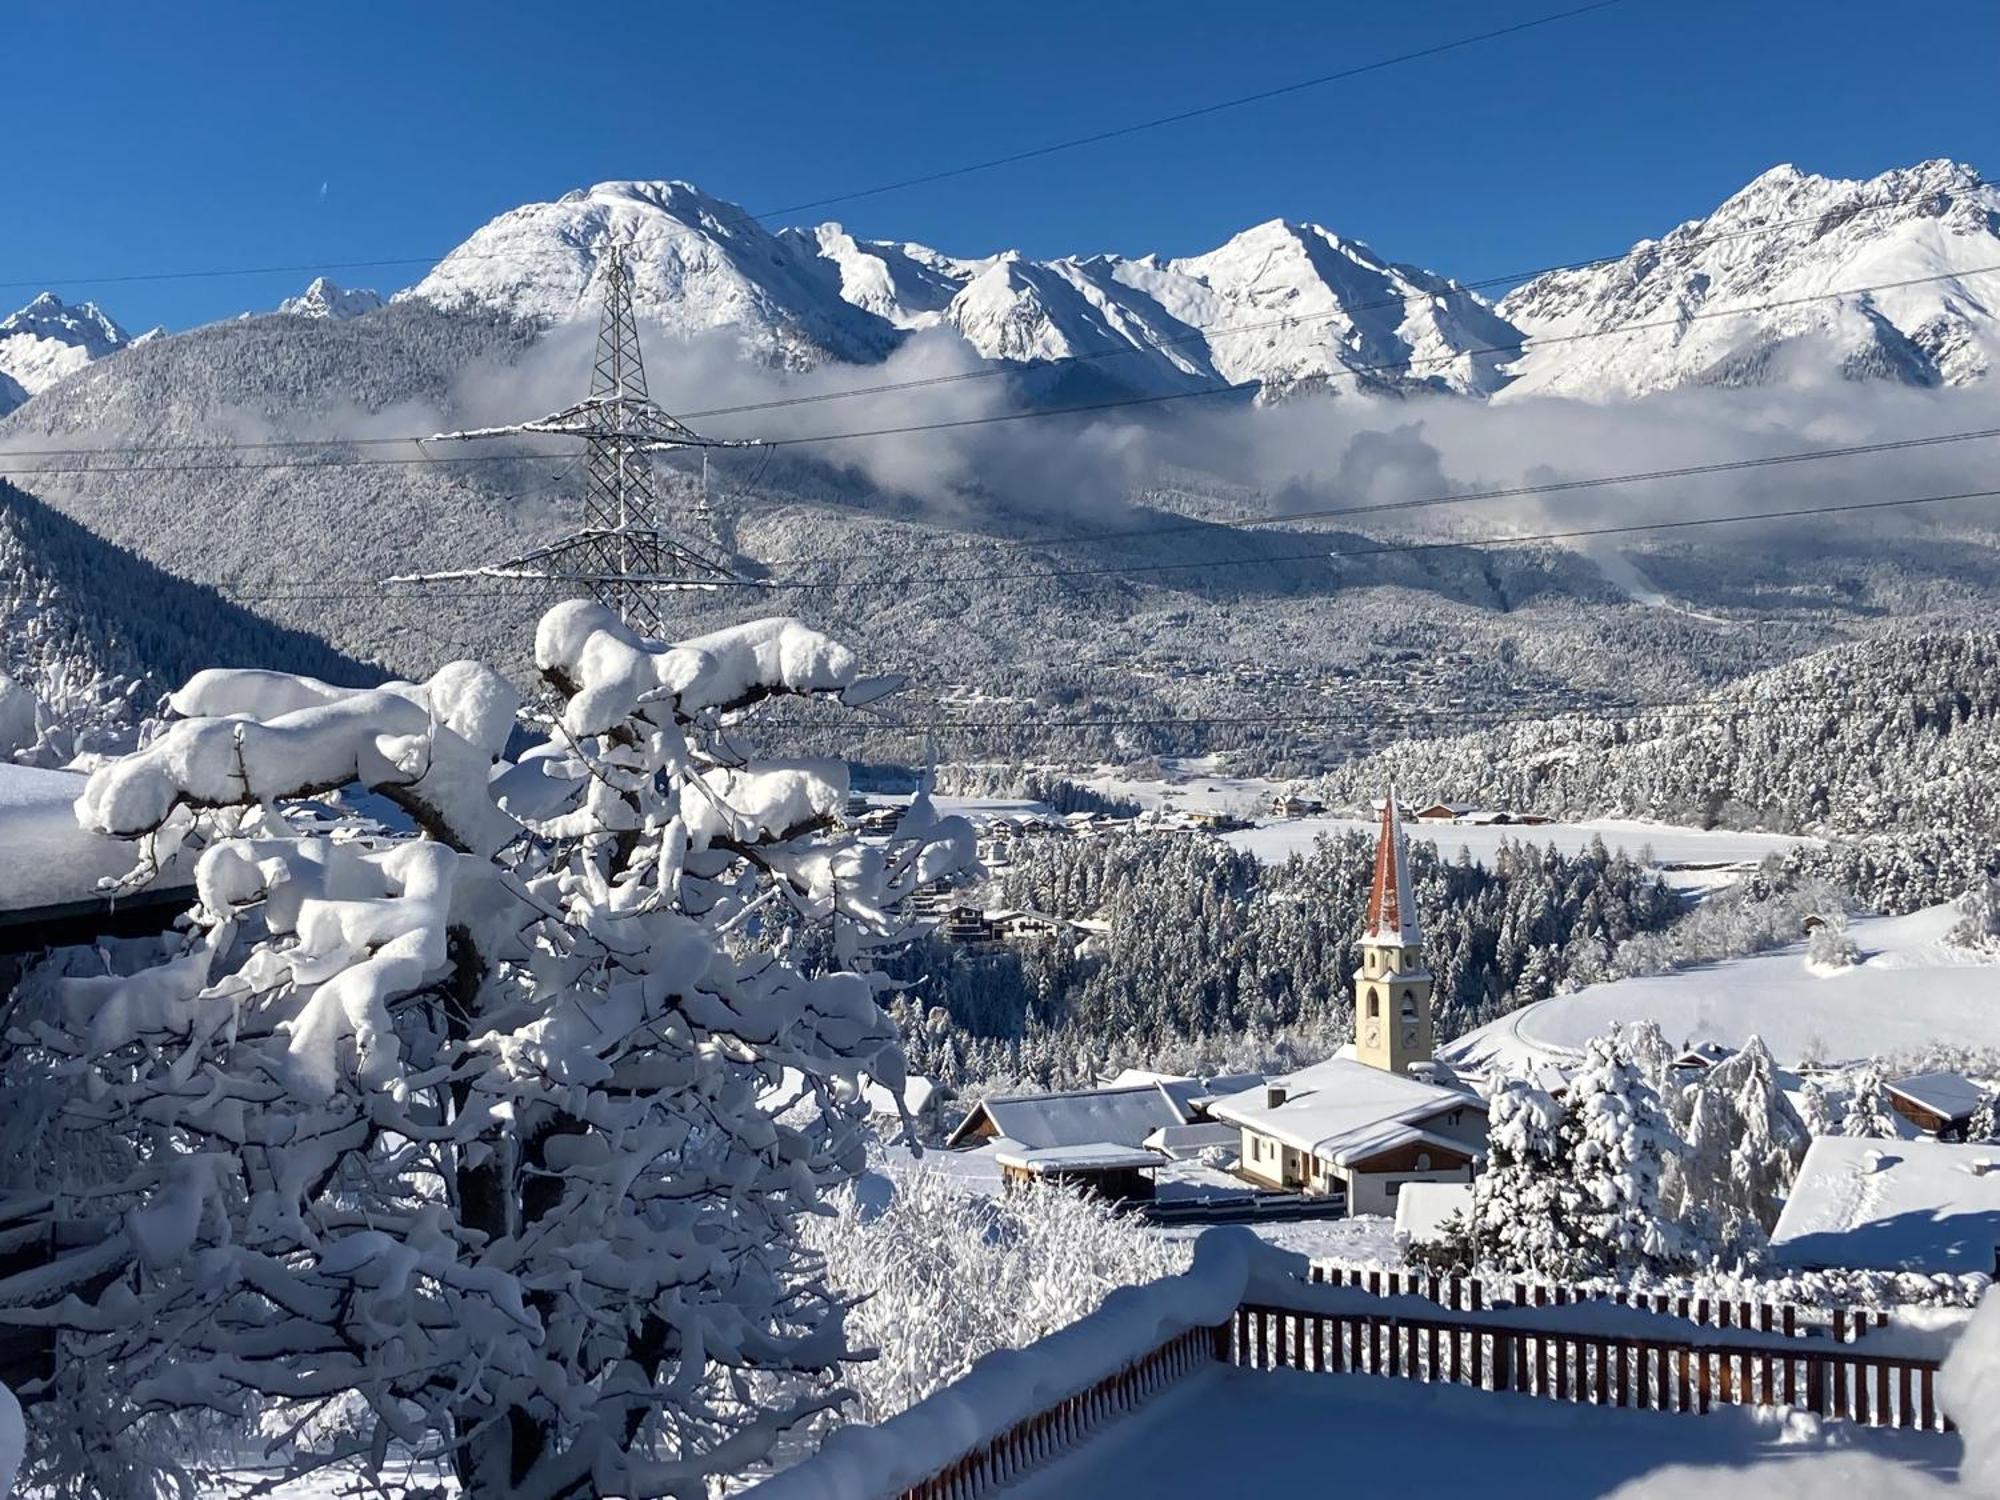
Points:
x=1392 y=988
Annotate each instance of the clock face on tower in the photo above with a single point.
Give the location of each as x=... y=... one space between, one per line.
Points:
x=1410 y=1037
x=1373 y=1037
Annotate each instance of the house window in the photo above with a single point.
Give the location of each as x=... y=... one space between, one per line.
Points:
x=1423 y=1161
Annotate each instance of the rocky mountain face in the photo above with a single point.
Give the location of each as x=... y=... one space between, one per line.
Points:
x=49 y=339
x=1793 y=279
x=325 y=298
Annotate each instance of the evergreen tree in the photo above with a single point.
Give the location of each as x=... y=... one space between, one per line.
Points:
x=1617 y=1140
x=1868 y=1110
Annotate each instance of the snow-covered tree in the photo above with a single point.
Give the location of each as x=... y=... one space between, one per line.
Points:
x=1984 y=1126
x=1817 y=1108
x=1618 y=1140
x=1768 y=1138
x=505 y=1129
x=950 y=1275
x=1524 y=1207
x=1868 y=1111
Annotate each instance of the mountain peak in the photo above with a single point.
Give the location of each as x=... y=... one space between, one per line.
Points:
x=325 y=298
x=48 y=339
x=1865 y=274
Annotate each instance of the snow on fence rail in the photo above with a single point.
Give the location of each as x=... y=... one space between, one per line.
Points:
x=1588 y=1368
x=1017 y=1408
x=1246 y=1305
x=1709 y=1309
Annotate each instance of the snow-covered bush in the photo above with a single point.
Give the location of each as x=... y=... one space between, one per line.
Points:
x=1830 y=948
x=950 y=1275
x=477 y=1126
x=1978 y=925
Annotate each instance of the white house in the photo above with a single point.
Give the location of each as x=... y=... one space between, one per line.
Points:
x=1892 y=1205
x=1344 y=1126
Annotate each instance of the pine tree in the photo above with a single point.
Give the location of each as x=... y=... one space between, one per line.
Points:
x=1618 y=1141
x=1868 y=1111
x=1523 y=1203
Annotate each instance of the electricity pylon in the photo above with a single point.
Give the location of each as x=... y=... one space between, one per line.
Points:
x=624 y=556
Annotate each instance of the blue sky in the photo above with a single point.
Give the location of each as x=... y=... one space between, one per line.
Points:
x=145 y=138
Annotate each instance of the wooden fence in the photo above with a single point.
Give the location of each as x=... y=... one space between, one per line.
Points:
x=1488 y=1353
x=1073 y=1420
x=1624 y=1370
x=1473 y=1293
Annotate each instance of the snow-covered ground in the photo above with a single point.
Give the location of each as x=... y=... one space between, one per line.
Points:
x=1910 y=990
x=1232 y=1432
x=1688 y=854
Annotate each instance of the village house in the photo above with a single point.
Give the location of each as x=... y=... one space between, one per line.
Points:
x=1090 y=1139
x=1938 y=1104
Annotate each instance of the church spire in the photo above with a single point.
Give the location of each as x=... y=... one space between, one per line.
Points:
x=1392 y=914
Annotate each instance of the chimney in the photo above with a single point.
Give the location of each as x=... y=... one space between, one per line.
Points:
x=1274 y=1095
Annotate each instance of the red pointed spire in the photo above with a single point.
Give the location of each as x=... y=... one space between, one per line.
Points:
x=1392 y=915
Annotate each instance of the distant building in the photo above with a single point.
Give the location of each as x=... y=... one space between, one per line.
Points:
x=1938 y=1104
x=1887 y=1205
x=1291 y=805
x=1118 y=1116
x=1118 y=1174
x=1443 y=812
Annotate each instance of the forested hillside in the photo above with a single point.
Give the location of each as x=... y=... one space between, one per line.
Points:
x=1214 y=954
x=1900 y=733
x=99 y=634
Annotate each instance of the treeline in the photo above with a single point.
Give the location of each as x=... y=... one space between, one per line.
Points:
x=1206 y=945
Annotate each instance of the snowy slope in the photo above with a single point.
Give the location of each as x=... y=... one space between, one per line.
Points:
x=49 y=339
x=1787 y=235
x=1319 y=305
x=327 y=299
x=1911 y=990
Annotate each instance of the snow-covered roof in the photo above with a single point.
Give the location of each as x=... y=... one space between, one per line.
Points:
x=1952 y=1095
x=1188 y=1140
x=1124 y=1116
x=1423 y=1207
x=1088 y=1156
x=1888 y=1205
x=1365 y=1143
x=46 y=858
x=1339 y=1107
x=1392 y=912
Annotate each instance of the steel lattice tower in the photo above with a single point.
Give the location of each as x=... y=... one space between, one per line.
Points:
x=624 y=556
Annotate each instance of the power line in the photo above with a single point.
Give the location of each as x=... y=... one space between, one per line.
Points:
x=746 y=220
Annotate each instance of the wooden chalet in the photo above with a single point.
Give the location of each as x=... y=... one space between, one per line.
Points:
x=1939 y=1104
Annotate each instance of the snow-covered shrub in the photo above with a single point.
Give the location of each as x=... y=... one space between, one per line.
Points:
x=1829 y=947
x=477 y=1126
x=950 y=1275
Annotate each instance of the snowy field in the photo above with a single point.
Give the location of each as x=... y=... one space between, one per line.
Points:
x=1910 y=990
x=1689 y=851
x=1311 y=1435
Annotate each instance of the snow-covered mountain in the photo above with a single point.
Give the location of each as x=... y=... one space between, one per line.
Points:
x=49 y=339
x=698 y=265
x=1283 y=303
x=1787 y=238
x=326 y=298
